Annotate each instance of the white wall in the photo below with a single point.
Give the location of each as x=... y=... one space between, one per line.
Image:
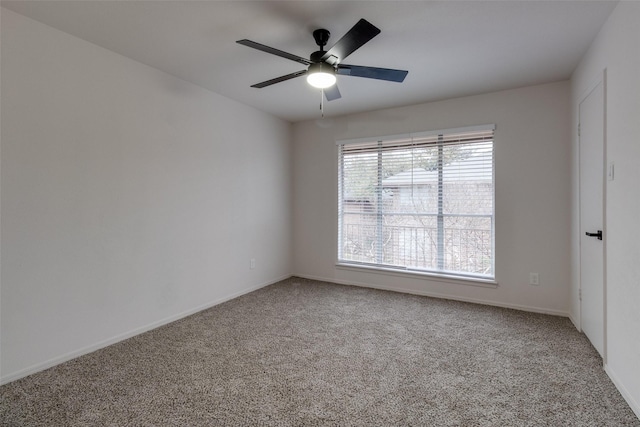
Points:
x=129 y=197
x=616 y=50
x=533 y=147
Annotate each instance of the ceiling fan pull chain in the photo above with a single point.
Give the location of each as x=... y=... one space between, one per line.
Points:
x=322 y=103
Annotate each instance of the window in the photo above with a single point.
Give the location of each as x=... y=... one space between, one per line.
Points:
x=420 y=202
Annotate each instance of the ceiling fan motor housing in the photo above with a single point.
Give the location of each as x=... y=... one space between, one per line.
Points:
x=316 y=56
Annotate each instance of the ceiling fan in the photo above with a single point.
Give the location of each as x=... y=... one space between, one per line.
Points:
x=324 y=65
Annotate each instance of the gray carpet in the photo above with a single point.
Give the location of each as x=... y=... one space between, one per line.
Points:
x=306 y=353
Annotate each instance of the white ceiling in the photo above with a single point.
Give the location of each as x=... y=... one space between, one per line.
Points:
x=451 y=48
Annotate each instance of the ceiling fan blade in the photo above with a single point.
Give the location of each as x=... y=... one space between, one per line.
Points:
x=274 y=51
x=280 y=79
x=332 y=93
x=372 y=72
x=357 y=36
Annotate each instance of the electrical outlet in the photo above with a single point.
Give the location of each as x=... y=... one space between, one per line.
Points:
x=252 y=263
x=534 y=279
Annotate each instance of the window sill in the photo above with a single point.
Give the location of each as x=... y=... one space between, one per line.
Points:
x=445 y=278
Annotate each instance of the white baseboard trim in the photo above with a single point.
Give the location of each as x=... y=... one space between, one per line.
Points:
x=105 y=343
x=575 y=322
x=633 y=404
x=439 y=295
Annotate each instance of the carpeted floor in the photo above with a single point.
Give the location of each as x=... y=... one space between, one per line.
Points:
x=307 y=353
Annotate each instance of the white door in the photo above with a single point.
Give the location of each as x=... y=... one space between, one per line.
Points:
x=591 y=137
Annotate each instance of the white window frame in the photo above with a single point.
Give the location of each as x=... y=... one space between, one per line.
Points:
x=441 y=275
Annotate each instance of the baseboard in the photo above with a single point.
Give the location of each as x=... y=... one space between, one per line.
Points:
x=633 y=404
x=105 y=343
x=575 y=322
x=439 y=295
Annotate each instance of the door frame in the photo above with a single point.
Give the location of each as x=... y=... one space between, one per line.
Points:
x=600 y=79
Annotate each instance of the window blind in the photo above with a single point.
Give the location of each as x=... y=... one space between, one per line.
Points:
x=419 y=201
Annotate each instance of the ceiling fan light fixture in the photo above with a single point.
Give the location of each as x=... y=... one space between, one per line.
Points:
x=321 y=75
